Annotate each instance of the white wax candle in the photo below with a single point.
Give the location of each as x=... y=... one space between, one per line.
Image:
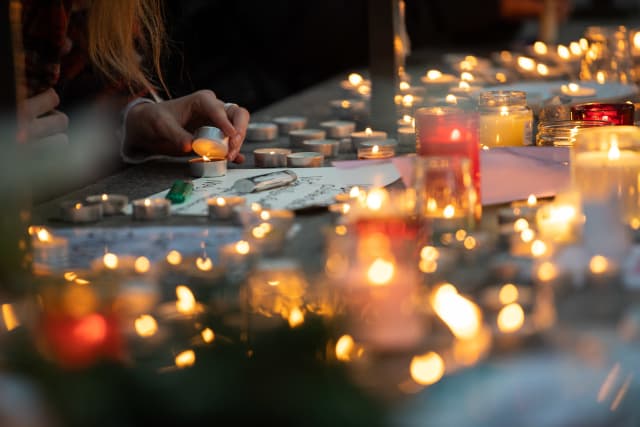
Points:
x=598 y=174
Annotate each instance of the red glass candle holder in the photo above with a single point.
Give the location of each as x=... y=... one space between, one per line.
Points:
x=615 y=114
x=450 y=132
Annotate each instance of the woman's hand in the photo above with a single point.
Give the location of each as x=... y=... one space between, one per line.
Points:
x=167 y=127
x=39 y=121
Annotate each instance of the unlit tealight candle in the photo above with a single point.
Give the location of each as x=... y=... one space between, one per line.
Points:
x=262 y=131
x=297 y=137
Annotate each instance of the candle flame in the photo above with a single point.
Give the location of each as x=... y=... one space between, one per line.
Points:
x=296 y=317
x=404 y=86
x=208 y=335
x=265 y=215
x=104 y=197
x=575 y=48
x=547 y=271
x=538 y=248
x=434 y=74
x=110 y=261
x=174 y=257
x=584 y=44
x=427 y=369
x=526 y=63
x=204 y=263
x=345 y=104
x=451 y=99
x=464 y=85
x=520 y=225
x=344 y=347
x=543 y=70
x=407 y=100
x=185 y=359
x=614 y=151
x=563 y=52
x=43 y=235
x=78 y=206
x=527 y=235
x=501 y=77
x=9 y=317
x=186 y=302
x=368 y=131
x=508 y=294
x=142 y=265
x=242 y=247
x=636 y=40
x=375 y=149
x=601 y=77
x=376 y=198
x=205 y=159
x=460 y=314
x=146 y=326
x=430 y=253
x=467 y=76
x=510 y=318
x=532 y=200
x=456 y=135
x=147 y=202
x=407 y=119
x=381 y=272
x=598 y=264
x=449 y=211
x=540 y=48
x=355 y=79
x=221 y=201
x=354 y=192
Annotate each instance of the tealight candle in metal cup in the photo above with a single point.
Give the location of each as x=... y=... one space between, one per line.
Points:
x=305 y=159
x=337 y=129
x=288 y=123
x=367 y=135
x=262 y=131
x=271 y=157
x=204 y=167
x=80 y=212
x=298 y=137
x=223 y=207
x=112 y=204
x=326 y=147
x=151 y=209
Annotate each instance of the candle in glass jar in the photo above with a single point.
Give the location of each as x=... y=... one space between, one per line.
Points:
x=505 y=119
x=615 y=114
x=450 y=132
x=606 y=163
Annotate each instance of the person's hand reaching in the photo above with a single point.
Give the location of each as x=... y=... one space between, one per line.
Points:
x=40 y=121
x=167 y=127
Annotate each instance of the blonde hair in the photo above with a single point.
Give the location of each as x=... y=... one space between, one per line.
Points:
x=124 y=35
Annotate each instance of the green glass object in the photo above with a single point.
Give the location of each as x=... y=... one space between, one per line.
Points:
x=179 y=191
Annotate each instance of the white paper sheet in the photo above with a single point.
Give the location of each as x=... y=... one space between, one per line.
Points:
x=509 y=174
x=314 y=187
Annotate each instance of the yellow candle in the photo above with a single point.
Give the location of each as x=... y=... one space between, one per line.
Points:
x=505 y=128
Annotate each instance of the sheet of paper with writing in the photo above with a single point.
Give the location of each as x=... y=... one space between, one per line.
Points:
x=314 y=187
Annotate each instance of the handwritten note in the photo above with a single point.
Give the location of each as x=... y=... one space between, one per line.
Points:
x=314 y=187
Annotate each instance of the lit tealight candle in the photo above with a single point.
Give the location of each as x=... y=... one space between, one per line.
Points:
x=437 y=78
x=464 y=88
x=326 y=147
x=223 y=207
x=374 y=153
x=367 y=135
x=79 y=212
x=112 y=204
x=271 y=157
x=151 y=209
x=348 y=109
x=205 y=167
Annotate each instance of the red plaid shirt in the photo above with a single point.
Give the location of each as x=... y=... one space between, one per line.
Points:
x=55 y=40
